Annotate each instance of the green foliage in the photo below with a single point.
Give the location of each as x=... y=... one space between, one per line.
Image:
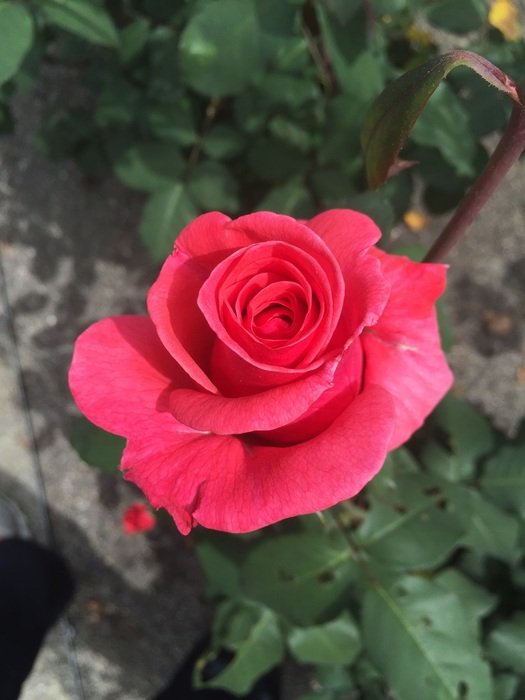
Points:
x=16 y=30
x=96 y=447
x=82 y=18
x=417 y=583
x=418 y=636
x=252 y=634
x=243 y=105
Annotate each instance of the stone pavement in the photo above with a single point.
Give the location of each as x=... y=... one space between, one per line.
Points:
x=70 y=255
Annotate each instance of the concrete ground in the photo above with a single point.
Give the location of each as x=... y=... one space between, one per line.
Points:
x=70 y=255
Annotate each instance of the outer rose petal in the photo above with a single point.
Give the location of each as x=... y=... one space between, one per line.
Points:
x=403 y=351
x=227 y=484
x=172 y=305
x=266 y=410
x=120 y=373
x=347 y=233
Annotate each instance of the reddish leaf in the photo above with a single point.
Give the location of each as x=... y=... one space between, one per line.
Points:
x=394 y=113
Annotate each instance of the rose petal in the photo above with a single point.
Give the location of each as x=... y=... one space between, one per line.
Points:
x=227 y=484
x=183 y=330
x=120 y=373
x=229 y=278
x=347 y=233
x=266 y=410
x=403 y=351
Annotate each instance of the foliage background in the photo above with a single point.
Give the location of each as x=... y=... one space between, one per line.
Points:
x=240 y=105
x=237 y=105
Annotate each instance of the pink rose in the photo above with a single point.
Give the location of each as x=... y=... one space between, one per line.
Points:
x=280 y=362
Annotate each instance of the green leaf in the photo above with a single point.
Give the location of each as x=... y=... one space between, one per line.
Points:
x=445 y=124
x=476 y=601
x=272 y=159
x=173 y=122
x=220 y=50
x=117 y=104
x=505 y=686
x=489 y=529
x=222 y=142
x=419 y=637
x=336 y=642
x=503 y=478
x=16 y=30
x=221 y=556
x=83 y=18
x=359 y=70
x=506 y=643
x=292 y=198
x=470 y=438
x=164 y=216
x=252 y=633
x=308 y=576
x=134 y=38
x=458 y=17
x=150 y=166
x=97 y=447
x=212 y=187
x=394 y=113
x=406 y=525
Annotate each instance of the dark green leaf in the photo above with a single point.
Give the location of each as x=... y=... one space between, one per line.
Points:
x=252 y=633
x=394 y=113
x=476 y=601
x=458 y=17
x=470 y=438
x=97 y=447
x=335 y=642
x=223 y=142
x=271 y=159
x=506 y=643
x=220 y=50
x=173 y=122
x=133 y=39
x=289 y=132
x=221 y=556
x=419 y=637
x=83 y=18
x=16 y=32
x=118 y=104
x=505 y=686
x=344 y=10
x=150 y=166
x=445 y=125
x=359 y=70
x=308 y=575
x=489 y=530
x=212 y=187
x=292 y=198
x=164 y=216
x=407 y=525
x=503 y=479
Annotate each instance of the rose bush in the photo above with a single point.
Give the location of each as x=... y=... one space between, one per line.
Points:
x=279 y=363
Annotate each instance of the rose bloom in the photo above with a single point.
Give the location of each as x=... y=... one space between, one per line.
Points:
x=279 y=362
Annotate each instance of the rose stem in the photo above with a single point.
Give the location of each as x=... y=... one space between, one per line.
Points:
x=507 y=152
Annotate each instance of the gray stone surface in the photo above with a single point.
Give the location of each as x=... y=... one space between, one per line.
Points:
x=70 y=255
